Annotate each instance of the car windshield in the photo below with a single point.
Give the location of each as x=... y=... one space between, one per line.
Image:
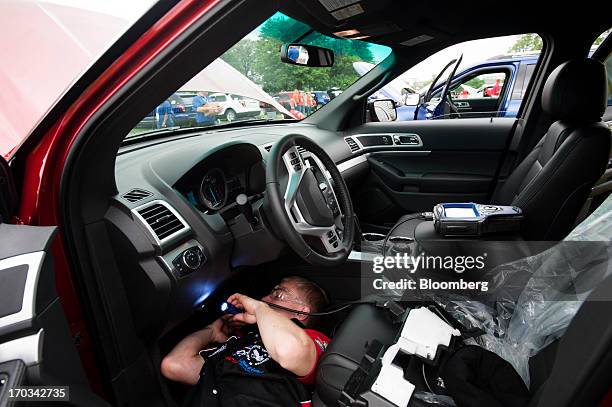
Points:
x=249 y=81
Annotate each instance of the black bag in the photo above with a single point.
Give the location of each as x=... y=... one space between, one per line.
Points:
x=476 y=377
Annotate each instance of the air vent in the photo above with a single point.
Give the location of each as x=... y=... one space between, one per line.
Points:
x=136 y=195
x=163 y=221
x=352 y=144
x=300 y=149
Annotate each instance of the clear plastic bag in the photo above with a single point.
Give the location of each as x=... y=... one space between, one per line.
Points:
x=532 y=301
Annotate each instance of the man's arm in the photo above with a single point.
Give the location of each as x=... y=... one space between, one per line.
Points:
x=285 y=342
x=183 y=363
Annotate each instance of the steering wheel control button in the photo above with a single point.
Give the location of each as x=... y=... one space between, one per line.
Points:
x=330 y=234
x=297 y=167
x=293 y=155
x=189 y=261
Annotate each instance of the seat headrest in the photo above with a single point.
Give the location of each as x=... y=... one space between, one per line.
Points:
x=576 y=90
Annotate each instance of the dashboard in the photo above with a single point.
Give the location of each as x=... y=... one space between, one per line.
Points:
x=175 y=226
x=213 y=185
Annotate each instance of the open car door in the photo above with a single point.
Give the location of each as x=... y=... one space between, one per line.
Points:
x=36 y=347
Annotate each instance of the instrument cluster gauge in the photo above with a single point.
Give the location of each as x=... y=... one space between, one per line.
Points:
x=213 y=189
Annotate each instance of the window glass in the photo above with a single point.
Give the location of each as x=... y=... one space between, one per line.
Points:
x=607 y=62
x=483 y=85
x=261 y=86
x=487 y=85
x=527 y=79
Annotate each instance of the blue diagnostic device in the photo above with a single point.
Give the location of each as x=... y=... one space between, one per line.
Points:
x=227 y=308
x=470 y=219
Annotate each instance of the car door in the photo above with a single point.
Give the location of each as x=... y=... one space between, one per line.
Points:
x=482 y=92
x=416 y=164
x=36 y=347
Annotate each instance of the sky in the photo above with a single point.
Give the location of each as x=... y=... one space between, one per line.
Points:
x=473 y=52
x=127 y=9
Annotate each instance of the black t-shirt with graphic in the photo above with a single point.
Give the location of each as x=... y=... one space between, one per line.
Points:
x=241 y=373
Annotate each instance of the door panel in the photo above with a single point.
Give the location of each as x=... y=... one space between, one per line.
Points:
x=36 y=347
x=477 y=107
x=457 y=162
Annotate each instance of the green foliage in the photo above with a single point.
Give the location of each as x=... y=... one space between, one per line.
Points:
x=282 y=28
x=527 y=42
x=475 y=82
x=602 y=37
x=258 y=58
x=276 y=76
x=242 y=57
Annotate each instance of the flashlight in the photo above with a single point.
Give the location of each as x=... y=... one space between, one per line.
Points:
x=227 y=308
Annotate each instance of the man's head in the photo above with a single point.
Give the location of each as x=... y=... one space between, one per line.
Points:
x=202 y=93
x=299 y=294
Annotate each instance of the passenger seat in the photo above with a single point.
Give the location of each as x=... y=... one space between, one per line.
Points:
x=552 y=183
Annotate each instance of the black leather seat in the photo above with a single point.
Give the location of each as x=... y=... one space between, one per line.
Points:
x=344 y=353
x=572 y=371
x=552 y=183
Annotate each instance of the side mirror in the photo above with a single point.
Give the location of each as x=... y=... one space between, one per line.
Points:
x=382 y=110
x=306 y=55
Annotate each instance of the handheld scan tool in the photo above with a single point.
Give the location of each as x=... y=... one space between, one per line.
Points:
x=470 y=219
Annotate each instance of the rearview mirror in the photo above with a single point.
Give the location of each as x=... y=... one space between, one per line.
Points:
x=382 y=110
x=306 y=55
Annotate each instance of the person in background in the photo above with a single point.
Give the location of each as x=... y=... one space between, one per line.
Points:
x=293 y=53
x=298 y=98
x=206 y=110
x=164 y=115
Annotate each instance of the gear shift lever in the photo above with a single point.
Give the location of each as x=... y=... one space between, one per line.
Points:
x=246 y=209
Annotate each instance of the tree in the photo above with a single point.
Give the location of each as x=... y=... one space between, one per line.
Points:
x=242 y=56
x=527 y=42
x=602 y=37
x=475 y=83
x=285 y=29
x=257 y=57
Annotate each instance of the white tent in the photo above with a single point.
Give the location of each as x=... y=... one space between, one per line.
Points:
x=220 y=76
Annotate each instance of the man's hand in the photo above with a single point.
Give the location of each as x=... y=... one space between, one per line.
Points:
x=249 y=305
x=230 y=325
x=220 y=331
x=286 y=342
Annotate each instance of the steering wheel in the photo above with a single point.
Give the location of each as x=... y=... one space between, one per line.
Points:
x=307 y=199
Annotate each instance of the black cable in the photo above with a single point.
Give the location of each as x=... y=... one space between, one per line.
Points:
x=319 y=314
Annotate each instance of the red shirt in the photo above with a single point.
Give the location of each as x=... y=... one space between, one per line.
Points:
x=320 y=341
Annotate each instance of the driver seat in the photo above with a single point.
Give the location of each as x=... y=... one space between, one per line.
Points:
x=553 y=181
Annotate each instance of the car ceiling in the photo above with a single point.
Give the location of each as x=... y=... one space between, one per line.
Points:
x=391 y=22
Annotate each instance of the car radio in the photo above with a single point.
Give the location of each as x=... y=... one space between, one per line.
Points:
x=470 y=219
